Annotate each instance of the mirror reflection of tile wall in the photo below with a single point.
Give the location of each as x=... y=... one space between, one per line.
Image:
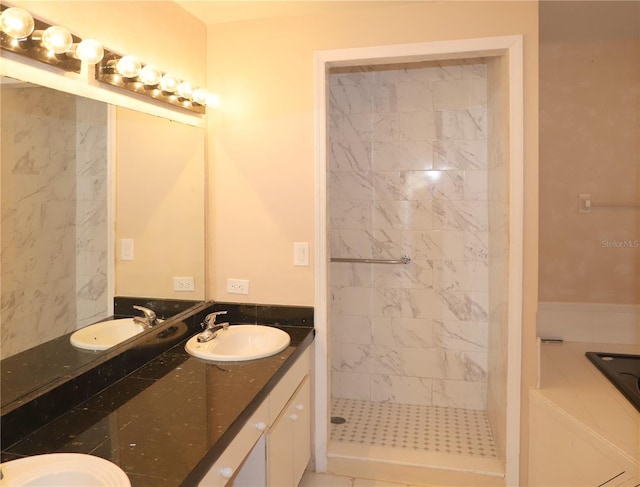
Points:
x=54 y=215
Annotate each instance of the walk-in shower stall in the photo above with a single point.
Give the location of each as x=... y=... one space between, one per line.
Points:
x=417 y=184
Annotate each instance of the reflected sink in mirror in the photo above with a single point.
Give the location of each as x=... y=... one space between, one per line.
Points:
x=63 y=469
x=239 y=343
x=106 y=334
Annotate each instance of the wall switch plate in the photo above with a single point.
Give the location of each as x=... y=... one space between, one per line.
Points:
x=301 y=253
x=237 y=286
x=584 y=202
x=126 y=249
x=183 y=284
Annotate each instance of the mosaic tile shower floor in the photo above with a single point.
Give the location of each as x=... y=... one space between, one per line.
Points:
x=413 y=427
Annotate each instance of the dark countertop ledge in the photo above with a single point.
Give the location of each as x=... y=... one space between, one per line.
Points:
x=166 y=423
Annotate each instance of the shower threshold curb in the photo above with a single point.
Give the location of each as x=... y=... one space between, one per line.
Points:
x=449 y=462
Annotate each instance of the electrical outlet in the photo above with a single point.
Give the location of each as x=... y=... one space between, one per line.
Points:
x=183 y=284
x=237 y=286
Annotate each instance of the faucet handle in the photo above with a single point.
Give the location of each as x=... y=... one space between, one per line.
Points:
x=210 y=319
x=148 y=313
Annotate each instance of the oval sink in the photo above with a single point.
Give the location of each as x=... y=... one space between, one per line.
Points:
x=105 y=334
x=240 y=342
x=63 y=469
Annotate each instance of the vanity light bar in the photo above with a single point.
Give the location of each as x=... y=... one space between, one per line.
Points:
x=54 y=45
x=129 y=73
x=31 y=35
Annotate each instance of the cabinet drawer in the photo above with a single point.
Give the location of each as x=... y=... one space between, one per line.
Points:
x=283 y=391
x=228 y=463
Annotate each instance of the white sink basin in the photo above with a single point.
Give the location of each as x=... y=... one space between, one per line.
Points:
x=105 y=334
x=63 y=470
x=240 y=342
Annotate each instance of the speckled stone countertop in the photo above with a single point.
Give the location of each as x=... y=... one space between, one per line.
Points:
x=166 y=423
x=24 y=375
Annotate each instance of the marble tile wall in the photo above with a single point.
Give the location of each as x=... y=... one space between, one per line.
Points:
x=39 y=237
x=92 y=297
x=408 y=176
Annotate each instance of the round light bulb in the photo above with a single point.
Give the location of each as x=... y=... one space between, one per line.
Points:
x=57 y=39
x=169 y=83
x=200 y=96
x=150 y=75
x=16 y=22
x=128 y=66
x=185 y=90
x=213 y=100
x=90 y=51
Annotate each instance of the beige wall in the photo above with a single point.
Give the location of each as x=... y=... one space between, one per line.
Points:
x=159 y=204
x=590 y=141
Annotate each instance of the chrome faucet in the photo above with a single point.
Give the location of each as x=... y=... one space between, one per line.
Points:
x=148 y=320
x=211 y=329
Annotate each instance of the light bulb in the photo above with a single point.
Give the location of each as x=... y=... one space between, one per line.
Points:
x=169 y=83
x=200 y=96
x=57 y=39
x=150 y=75
x=213 y=100
x=90 y=51
x=16 y=22
x=185 y=90
x=128 y=66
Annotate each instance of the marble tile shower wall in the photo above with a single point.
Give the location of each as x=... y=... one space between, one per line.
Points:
x=92 y=297
x=40 y=236
x=408 y=176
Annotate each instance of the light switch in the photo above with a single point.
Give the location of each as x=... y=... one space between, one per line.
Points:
x=126 y=249
x=300 y=253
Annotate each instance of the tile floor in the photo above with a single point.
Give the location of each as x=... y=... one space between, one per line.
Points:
x=418 y=428
x=312 y=479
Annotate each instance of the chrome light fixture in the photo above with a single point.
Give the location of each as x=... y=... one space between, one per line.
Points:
x=20 y=33
x=50 y=44
x=129 y=73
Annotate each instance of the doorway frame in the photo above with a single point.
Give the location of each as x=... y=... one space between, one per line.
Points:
x=510 y=47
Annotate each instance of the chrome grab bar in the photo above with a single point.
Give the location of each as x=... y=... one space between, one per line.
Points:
x=404 y=260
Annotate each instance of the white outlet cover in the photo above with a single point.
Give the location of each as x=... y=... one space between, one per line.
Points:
x=184 y=284
x=237 y=286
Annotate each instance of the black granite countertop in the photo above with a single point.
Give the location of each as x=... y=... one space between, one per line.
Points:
x=25 y=375
x=166 y=423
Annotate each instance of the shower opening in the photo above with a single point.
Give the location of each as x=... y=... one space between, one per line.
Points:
x=417 y=166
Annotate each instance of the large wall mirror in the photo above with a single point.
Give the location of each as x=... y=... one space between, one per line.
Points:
x=77 y=177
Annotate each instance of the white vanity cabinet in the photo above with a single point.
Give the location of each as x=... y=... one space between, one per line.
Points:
x=289 y=440
x=274 y=447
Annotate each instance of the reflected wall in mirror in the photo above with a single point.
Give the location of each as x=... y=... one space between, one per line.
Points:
x=159 y=204
x=63 y=213
x=55 y=204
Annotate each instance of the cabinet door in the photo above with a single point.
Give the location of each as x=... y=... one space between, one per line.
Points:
x=289 y=440
x=300 y=407
x=280 y=452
